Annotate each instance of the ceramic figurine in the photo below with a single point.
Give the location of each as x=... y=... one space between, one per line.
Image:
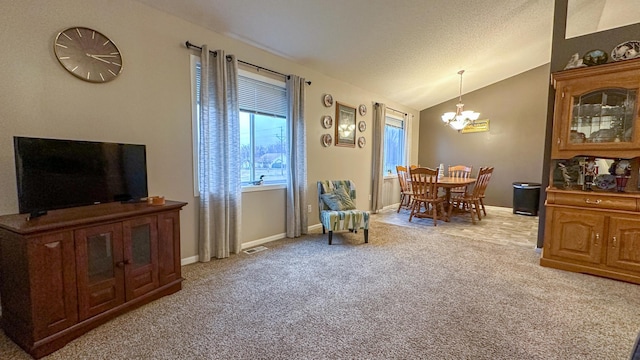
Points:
x=574 y=62
x=623 y=173
x=565 y=176
x=590 y=171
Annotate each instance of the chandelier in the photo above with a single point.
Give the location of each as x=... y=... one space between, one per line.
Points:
x=461 y=118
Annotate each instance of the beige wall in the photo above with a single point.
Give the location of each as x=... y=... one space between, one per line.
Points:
x=514 y=145
x=150 y=103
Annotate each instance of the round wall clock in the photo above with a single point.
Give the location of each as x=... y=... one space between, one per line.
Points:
x=362 y=109
x=327 y=100
x=88 y=54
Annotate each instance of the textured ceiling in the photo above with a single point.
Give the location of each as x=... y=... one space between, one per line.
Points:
x=406 y=50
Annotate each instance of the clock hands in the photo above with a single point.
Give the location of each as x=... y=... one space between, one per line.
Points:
x=100 y=57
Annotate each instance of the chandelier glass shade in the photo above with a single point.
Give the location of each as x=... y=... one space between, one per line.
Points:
x=460 y=118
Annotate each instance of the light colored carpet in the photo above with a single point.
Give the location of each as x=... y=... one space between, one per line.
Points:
x=413 y=292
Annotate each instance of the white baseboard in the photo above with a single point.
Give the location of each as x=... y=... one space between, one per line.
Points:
x=189 y=260
x=255 y=243
x=250 y=244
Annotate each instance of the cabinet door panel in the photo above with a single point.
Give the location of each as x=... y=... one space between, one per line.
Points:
x=623 y=249
x=140 y=255
x=53 y=277
x=100 y=281
x=169 y=246
x=577 y=235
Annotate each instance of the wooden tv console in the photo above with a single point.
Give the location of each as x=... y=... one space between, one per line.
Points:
x=71 y=270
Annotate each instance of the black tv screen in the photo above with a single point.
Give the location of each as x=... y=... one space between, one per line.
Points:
x=54 y=174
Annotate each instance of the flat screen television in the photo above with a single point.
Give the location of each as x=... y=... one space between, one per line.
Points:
x=55 y=174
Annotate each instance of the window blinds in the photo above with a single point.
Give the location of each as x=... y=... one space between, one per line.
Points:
x=397 y=123
x=262 y=98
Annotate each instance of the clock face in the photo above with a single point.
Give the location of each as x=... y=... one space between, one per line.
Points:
x=88 y=54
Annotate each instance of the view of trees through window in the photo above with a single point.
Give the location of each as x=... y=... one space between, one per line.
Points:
x=393 y=145
x=263 y=147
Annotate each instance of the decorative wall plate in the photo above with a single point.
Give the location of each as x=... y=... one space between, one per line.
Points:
x=595 y=57
x=326 y=140
x=626 y=50
x=362 y=109
x=327 y=121
x=605 y=181
x=362 y=126
x=361 y=142
x=327 y=100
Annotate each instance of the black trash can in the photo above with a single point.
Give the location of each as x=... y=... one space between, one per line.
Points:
x=526 y=197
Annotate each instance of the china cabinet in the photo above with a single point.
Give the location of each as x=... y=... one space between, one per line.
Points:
x=592 y=222
x=73 y=269
x=595 y=111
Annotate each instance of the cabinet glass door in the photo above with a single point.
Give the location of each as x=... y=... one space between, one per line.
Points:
x=141 y=245
x=100 y=257
x=140 y=237
x=100 y=269
x=603 y=116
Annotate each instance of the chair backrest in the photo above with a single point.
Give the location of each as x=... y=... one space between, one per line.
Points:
x=402 y=177
x=484 y=175
x=325 y=186
x=460 y=171
x=424 y=182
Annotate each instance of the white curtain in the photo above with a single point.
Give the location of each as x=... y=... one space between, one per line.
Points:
x=297 y=216
x=408 y=119
x=219 y=156
x=377 y=145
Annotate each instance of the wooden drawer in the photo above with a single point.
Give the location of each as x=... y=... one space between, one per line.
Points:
x=593 y=200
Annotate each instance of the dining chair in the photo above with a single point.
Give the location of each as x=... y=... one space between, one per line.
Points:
x=405 y=191
x=424 y=185
x=458 y=171
x=471 y=201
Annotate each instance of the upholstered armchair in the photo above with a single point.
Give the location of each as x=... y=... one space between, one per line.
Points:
x=337 y=209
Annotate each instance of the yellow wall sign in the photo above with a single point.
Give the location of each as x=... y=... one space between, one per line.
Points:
x=478 y=126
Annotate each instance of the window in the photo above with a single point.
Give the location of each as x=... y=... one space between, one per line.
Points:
x=264 y=139
x=394 y=144
x=263 y=128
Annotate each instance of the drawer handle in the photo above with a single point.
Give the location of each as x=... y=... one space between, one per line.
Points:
x=596 y=202
x=614 y=241
x=597 y=238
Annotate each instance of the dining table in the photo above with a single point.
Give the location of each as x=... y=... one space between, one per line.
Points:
x=447 y=183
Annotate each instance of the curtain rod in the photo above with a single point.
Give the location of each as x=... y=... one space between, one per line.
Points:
x=392 y=109
x=190 y=45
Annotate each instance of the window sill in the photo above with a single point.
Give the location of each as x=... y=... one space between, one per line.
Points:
x=389 y=177
x=252 y=188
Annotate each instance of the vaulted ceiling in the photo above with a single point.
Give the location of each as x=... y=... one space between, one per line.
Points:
x=406 y=50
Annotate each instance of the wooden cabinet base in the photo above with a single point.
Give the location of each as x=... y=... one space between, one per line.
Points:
x=54 y=342
x=607 y=273
x=71 y=270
